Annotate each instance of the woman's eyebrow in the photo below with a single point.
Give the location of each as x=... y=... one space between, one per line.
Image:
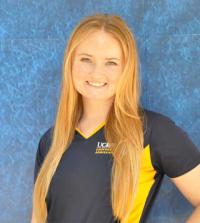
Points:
x=107 y=58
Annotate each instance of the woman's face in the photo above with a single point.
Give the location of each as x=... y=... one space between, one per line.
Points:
x=97 y=60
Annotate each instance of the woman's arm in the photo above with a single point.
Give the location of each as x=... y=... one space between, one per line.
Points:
x=195 y=217
x=189 y=186
x=32 y=218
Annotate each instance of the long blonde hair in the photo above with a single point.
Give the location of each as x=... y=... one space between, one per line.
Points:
x=124 y=123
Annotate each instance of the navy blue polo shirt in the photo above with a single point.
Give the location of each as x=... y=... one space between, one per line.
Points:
x=80 y=190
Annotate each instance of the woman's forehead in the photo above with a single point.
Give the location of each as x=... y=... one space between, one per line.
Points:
x=106 y=51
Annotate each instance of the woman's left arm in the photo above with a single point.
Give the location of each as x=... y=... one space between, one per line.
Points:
x=189 y=186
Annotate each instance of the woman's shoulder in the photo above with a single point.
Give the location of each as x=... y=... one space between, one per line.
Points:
x=47 y=134
x=162 y=126
x=45 y=141
x=153 y=116
x=162 y=129
x=42 y=150
x=154 y=121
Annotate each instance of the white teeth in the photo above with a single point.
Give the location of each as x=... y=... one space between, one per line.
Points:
x=96 y=84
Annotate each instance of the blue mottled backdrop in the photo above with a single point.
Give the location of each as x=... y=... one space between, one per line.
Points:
x=33 y=36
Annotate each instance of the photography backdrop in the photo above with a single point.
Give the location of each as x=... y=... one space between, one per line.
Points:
x=33 y=37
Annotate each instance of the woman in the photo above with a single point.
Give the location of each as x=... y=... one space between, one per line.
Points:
x=104 y=158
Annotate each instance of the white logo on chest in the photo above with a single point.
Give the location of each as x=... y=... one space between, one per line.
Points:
x=103 y=148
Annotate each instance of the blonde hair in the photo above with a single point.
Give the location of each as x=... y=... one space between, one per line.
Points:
x=124 y=123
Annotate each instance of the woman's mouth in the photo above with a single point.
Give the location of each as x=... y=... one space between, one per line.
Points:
x=96 y=85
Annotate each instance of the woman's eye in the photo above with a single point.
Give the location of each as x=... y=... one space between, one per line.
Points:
x=85 y=59
x=88 y=60
x=112 y=63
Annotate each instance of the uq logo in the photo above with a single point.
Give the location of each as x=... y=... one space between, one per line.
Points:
x=103 y=148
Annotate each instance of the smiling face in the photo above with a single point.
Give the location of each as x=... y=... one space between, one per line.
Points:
x=97 y=60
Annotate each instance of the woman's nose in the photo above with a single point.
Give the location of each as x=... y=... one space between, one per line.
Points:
x=98 y=70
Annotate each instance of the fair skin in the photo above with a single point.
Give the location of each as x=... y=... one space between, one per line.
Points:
x=189 y=186
x=90 y=64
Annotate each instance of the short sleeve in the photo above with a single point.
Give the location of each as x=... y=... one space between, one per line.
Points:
x=42 y=149
x=173 y=151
